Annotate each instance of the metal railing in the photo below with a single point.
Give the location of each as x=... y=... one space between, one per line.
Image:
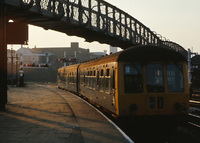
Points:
x=98 y=16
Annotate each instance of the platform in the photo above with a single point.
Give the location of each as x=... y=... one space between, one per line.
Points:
x=46 y=114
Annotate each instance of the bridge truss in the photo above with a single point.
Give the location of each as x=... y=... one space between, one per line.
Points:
x=94 y=20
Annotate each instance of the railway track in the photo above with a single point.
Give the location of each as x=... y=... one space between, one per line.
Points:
x=194 y=103
x=194 y=115
x=194 y=120
x=194 y=107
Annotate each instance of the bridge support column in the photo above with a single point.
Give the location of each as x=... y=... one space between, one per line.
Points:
x=3 y=58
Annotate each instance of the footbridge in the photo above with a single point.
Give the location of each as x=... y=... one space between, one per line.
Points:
x=94 y=20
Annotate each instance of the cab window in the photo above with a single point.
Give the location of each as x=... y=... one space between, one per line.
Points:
x=175 y=78
x=154 y=78
x=133 y=78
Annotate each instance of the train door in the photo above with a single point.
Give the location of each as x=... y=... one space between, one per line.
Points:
x=113 y=88
x=156 y=88
x=78 y=81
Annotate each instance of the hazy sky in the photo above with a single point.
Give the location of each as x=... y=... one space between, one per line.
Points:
x=177 y=20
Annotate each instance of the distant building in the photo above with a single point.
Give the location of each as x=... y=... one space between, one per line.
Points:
x=95 y=55
x=33 y=56
x=113 y=49
x=54 y=53
x=195 y=71
x=49 y=56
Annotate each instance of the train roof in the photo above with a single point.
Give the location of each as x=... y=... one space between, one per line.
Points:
x=73 y=67
x=150 y=53
x=136 y=54
x=141 y=54
x=102 y=60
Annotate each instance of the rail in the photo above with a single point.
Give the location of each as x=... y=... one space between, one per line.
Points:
x=194 y=120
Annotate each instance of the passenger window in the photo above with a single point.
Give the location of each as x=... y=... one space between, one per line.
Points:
x=155 y=79
x=97 y=78
x=70 y=77
x=107 y=78
x=107 y=72
x=175 y=78
x=94 y=79
x=84 y=77
x=101 y=80
x=102 y=72
x=90 y=79
x=133 y=78
x=113 y=79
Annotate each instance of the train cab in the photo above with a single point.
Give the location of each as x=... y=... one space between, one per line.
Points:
x=152 y=81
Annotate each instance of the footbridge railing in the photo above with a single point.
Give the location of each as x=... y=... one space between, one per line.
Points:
x=94 y=20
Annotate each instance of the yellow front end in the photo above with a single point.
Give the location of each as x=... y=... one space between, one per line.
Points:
x=145 y=89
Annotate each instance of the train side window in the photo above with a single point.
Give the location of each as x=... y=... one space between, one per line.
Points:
x=94 y=79
x=113 y=85
x=107 y=80
x=70 y=77
x=82 y=78
x=74 y=77
x=90 y=79
x=67 y=77
x=87 y=79
x=175 y=78
x=107 y=72
x=101 y=72
x=101 y=80
x=133 y=78
x=97 y=78
x=155 y=78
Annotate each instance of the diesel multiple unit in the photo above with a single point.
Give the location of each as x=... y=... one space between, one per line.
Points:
x=139 y=81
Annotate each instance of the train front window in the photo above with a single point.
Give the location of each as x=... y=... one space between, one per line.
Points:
x=154 y=78
x=133 y=78
x=175 y=78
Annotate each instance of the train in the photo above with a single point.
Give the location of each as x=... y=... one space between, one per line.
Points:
x=141 y=81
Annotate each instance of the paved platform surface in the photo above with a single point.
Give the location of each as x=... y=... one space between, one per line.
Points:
x=45 y=114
